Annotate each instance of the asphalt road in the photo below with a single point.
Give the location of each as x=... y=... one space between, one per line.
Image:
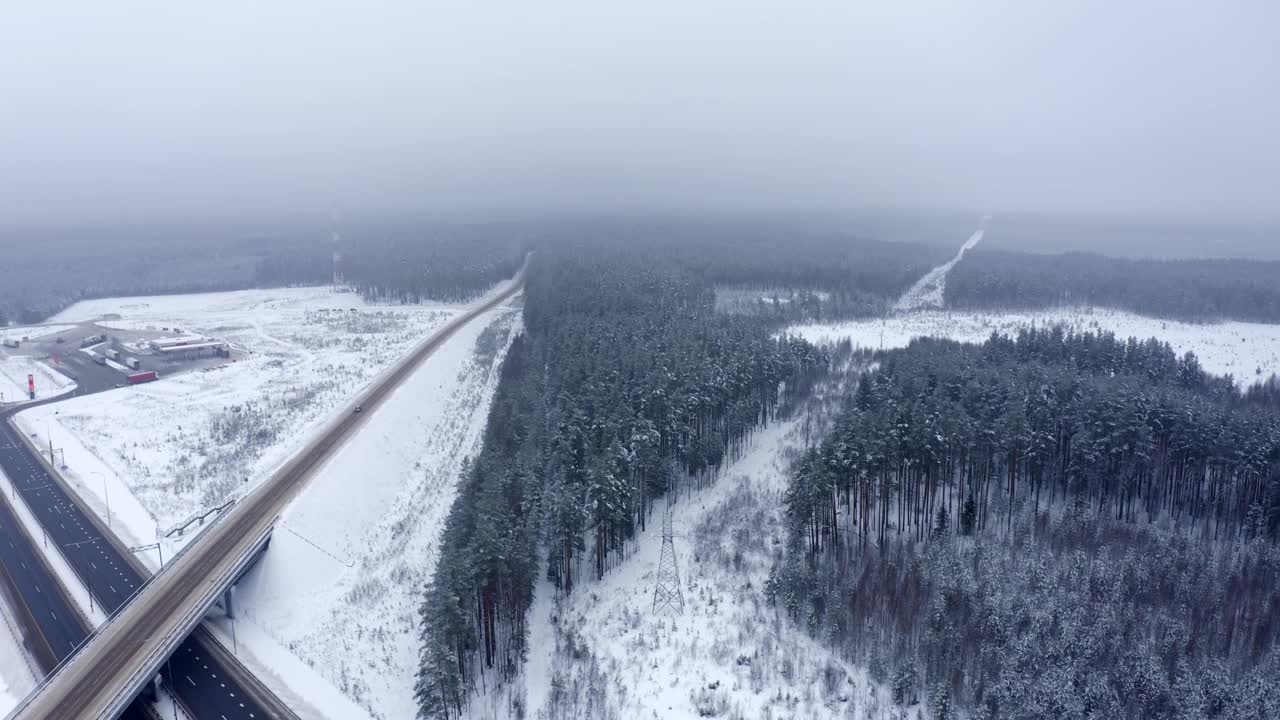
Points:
x=60 y=625
x=98 y=562
x=111 y=660
x=111 y=580
x=61 y=629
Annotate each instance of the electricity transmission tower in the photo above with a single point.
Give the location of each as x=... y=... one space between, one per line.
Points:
x=666 y=595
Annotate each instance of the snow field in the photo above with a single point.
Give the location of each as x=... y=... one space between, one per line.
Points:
x=341 y=585
x=187 y=443
x=176 y=310
x=729 y=655
x=17 y=332
x=1250 y=352
x=8 y=700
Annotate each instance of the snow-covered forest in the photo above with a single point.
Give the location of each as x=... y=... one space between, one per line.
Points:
x=1098 y=512
x=1052 y=524
x=625 y=383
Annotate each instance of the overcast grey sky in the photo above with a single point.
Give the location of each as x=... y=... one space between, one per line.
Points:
x=135 y=109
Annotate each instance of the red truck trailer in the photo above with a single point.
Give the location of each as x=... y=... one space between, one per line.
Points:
x=142 y=377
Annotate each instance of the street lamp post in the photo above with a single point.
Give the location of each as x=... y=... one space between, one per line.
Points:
x=173 y=693
x=86 y=579
x=235 y=645
x=105 y=497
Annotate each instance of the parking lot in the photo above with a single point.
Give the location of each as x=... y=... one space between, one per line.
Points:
x=97 y=358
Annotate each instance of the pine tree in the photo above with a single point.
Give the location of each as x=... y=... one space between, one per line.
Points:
x=968 y=516
x=904 y=683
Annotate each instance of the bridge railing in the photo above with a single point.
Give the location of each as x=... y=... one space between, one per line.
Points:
x=187 y=623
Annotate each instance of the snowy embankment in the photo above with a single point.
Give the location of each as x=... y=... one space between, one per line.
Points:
x=162 y=451
x=929 y=291
x=341 y=585
x=18 y=672
x=1248 y=351
x=13 y=379
x=730 y=654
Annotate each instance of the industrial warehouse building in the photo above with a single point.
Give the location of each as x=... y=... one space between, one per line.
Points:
x=193 y=351
x=162 y=343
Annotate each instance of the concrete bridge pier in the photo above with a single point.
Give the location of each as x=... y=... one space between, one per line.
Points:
x=151 y=691
x=226 y=602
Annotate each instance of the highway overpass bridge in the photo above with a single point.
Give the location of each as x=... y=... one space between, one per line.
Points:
x=102 y=678
x=55 y=626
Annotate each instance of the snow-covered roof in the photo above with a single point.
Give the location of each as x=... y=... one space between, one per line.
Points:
x=192 y=346
x=174 y=341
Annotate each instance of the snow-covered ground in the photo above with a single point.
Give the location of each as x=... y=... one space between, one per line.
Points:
x=341 y=585
x=31 y=332
x=730 y=654
x=929 y=290
x=1248 y=351
x=18 y=672
x=178 y=311
x=159 y=452
x=13 y=379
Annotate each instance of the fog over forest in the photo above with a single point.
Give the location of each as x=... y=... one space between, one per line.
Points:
x=297 y=108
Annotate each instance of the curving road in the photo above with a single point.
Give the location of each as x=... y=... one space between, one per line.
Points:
x=136 y=640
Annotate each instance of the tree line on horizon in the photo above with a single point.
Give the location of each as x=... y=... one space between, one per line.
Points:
x=1188 y=290
x=45 y=272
